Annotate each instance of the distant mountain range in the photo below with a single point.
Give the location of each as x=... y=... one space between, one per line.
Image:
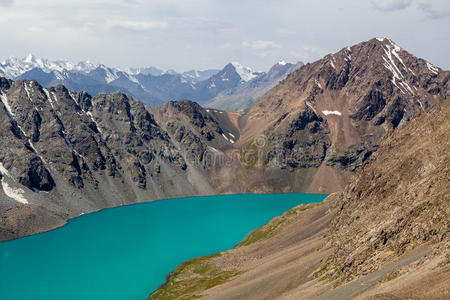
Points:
x=233 y=87
x=243 y=95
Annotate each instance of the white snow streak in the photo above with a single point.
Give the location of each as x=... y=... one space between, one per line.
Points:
x=389 y=63
x=98 y=128
x=4 y=99
x=331 y=112
x=310 y=106
x=230 y=140
x=14 y=193
x=27 y=91
x=47 y=94
x=214 y=149
x=332 y=63
x=3 y=170
x=318 y=84
x=432 y=68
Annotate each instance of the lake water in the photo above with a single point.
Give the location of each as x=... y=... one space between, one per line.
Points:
x=126 y=252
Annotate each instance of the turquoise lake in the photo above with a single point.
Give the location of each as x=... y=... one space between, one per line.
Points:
x=127 y=252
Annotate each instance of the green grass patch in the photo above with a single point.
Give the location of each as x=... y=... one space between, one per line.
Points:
x=192 y=278
x=275 y=225
x=248 y=155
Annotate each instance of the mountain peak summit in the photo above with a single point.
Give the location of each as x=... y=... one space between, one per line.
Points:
x=30 y=58
x=245 y=73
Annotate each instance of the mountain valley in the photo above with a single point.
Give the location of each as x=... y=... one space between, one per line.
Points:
x=67 y=153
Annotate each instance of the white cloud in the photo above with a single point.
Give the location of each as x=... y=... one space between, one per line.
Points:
x=137 y=25
x=391 y=5
x=35 y=28
x=260 y=45
x=144 y=33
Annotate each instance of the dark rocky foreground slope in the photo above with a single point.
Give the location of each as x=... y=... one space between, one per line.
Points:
x=66 y=153
x=388 y=232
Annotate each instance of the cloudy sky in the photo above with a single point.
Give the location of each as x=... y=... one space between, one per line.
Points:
x=186 y=34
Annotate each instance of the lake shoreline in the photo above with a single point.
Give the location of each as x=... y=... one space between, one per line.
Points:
x=134 y=249
x=68 y=220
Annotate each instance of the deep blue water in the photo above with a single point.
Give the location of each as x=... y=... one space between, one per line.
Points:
x=126 y=252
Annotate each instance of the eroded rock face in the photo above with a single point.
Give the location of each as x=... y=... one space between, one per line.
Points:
x=299 y=142
x=351 y=159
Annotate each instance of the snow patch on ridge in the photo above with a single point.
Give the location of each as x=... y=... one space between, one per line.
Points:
x=3 y=170
x=391 y=50
x=228 y=139
x=96 y=124
x=331 y=112
x=318 y=84
x=14 y=193
x=49 y=98
x=245 y=73
x=332 y=63
x=27 y=90
x=4 y=100
x=109 y=75
x=432 y=68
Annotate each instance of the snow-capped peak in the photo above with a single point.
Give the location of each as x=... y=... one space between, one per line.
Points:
x=30 y=58
x=13 y=67
x=282 y=62
x=245 y=73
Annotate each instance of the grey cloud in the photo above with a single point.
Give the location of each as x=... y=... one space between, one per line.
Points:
x=432 y=13
x=260 y=45
x=391 y=5
x=135 y=25
x=6 y=2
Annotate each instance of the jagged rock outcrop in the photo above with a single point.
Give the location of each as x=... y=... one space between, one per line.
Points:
x=300 y=142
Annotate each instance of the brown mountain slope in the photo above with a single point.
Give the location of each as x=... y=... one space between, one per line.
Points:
x=352 y=97
x=393 y=218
